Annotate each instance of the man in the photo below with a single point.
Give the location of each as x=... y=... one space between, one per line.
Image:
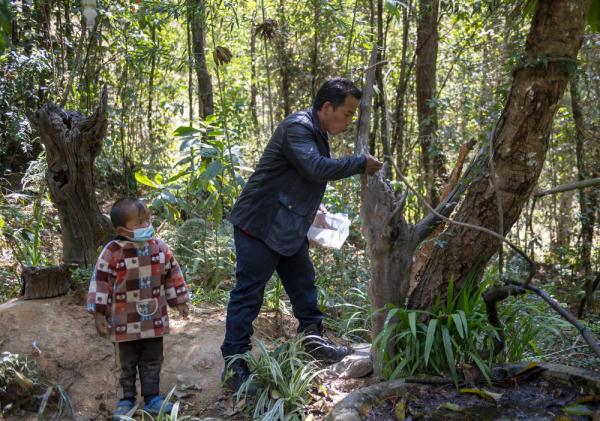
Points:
x=273 y=214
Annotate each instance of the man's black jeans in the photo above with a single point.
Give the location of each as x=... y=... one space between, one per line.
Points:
x=255 y=265
x=145 y=356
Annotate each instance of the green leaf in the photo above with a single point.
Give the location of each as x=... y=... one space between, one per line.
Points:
x=429 y=339
x=176 y=176
x=463 y=317
x=213 y=169
x=459 y=325
x=143 y=179
x=593 y=16
x=449 y=353
x=185 y=131
x=412 y=321
x=210 y=119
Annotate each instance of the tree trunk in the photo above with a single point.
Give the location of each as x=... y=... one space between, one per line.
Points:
x=153 y=61
x=253 y=86
x=72 y=143
x=391 y=240
x=284 y=54
x=198 y=26
x=314 y=60
x=432 y=158
x=405 y=70
x=520 y=144
x=588 y=199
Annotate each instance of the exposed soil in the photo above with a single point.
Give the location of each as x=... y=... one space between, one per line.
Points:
x=534 y=400
x=58 y=337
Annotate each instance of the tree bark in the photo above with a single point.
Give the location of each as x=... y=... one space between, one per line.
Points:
x=72 y=143
x=405 y=71
x=253 y=85
x=520 y=142
x=432 y=159
x=391 y=240
x=284 y=55
x=45 y=282
x=153 y=61
x=197 y=11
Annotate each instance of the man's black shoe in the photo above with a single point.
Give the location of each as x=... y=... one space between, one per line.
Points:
x=321 y=348
x=235 y=374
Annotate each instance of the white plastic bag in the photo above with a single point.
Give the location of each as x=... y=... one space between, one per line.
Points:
x=329 y=230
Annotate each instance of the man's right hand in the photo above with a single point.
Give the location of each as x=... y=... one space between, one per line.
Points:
x=373 y=165
x=101 y=324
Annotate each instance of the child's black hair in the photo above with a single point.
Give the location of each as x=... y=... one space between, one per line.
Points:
x=122 y=207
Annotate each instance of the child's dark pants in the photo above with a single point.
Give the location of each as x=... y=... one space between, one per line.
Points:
x=144 y=356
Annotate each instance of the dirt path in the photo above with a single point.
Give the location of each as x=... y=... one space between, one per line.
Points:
x=59 y=335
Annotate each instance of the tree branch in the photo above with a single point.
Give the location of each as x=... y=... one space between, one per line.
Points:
x=592 y=182
x=584 y=331
x=491 y=297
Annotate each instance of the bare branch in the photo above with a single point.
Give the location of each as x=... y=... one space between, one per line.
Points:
x=592 y=182
x=583 y=330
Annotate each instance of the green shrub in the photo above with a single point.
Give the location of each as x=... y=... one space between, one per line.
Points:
x=284 y=377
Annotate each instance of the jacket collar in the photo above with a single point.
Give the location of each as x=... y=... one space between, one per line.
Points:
x=317 y=123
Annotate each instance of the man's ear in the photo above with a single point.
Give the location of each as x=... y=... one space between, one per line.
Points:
x=327 y=107
x=121 y=231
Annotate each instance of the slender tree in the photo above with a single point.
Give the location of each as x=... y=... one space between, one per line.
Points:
x=197 y=16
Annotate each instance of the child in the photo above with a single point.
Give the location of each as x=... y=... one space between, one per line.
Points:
x=135 y=277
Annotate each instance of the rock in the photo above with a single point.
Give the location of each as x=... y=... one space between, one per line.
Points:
x=355 y=365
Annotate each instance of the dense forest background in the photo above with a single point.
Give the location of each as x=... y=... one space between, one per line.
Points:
x=196 y=87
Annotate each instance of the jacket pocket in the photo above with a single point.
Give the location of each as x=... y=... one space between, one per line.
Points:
x=289 y=223
x=285 y=201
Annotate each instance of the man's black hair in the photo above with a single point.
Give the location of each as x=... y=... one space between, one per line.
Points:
x=335 y=91
x=123 y=207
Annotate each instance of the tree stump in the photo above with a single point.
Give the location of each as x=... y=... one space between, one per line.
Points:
x=72 y=142
x=45 y=282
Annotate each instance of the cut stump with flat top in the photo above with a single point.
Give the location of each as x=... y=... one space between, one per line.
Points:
x=45 y=282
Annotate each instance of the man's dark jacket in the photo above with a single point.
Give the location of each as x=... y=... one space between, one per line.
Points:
x=281 y=198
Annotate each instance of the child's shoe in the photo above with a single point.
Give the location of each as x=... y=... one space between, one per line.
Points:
x=123 y=407
x=153 y=405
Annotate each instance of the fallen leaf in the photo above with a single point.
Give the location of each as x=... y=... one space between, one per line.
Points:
x=485 y=394
x=323 y=390
x=588 y=399
x=400 y=410
x=452 y=407
x=237 y=408
x=23 y=381
x=577 y=409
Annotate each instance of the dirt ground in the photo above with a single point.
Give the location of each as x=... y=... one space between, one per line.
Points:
x=60 y=337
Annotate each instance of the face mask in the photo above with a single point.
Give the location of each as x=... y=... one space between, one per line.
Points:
x=142 y=234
